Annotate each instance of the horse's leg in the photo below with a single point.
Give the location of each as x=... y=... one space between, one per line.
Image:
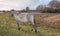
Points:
x=32 y=21
x=18 y=23
x=34 y=26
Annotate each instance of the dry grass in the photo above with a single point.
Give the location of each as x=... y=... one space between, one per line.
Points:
x=40 y=17
x=53 y=21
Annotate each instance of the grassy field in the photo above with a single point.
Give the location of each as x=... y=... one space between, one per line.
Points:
x=8 y=27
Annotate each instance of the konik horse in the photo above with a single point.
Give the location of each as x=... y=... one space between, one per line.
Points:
x=25 y=17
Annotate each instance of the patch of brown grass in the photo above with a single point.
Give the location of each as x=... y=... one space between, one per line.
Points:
x=40 y=17
x=53 y=21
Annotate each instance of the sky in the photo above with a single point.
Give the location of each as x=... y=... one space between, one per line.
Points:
x=21 y=4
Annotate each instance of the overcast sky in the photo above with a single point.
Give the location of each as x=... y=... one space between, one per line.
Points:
x=21 y=4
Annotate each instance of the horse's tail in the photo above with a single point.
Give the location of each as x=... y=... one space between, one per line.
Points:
x=34 y=20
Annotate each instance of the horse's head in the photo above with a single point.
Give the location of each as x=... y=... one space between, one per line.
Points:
x=12 y=12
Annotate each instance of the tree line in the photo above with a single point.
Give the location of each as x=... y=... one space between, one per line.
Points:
x=52 y=7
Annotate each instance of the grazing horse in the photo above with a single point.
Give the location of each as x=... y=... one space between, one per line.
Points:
x=24 y=17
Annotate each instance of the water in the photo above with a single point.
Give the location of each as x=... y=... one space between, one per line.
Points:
x=35 y=12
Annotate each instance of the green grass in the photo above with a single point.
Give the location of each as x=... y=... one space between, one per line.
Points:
x=8 y=27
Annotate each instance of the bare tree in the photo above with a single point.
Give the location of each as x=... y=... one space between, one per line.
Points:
x=54 y=4
x=40 y=7
x=27 y=8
